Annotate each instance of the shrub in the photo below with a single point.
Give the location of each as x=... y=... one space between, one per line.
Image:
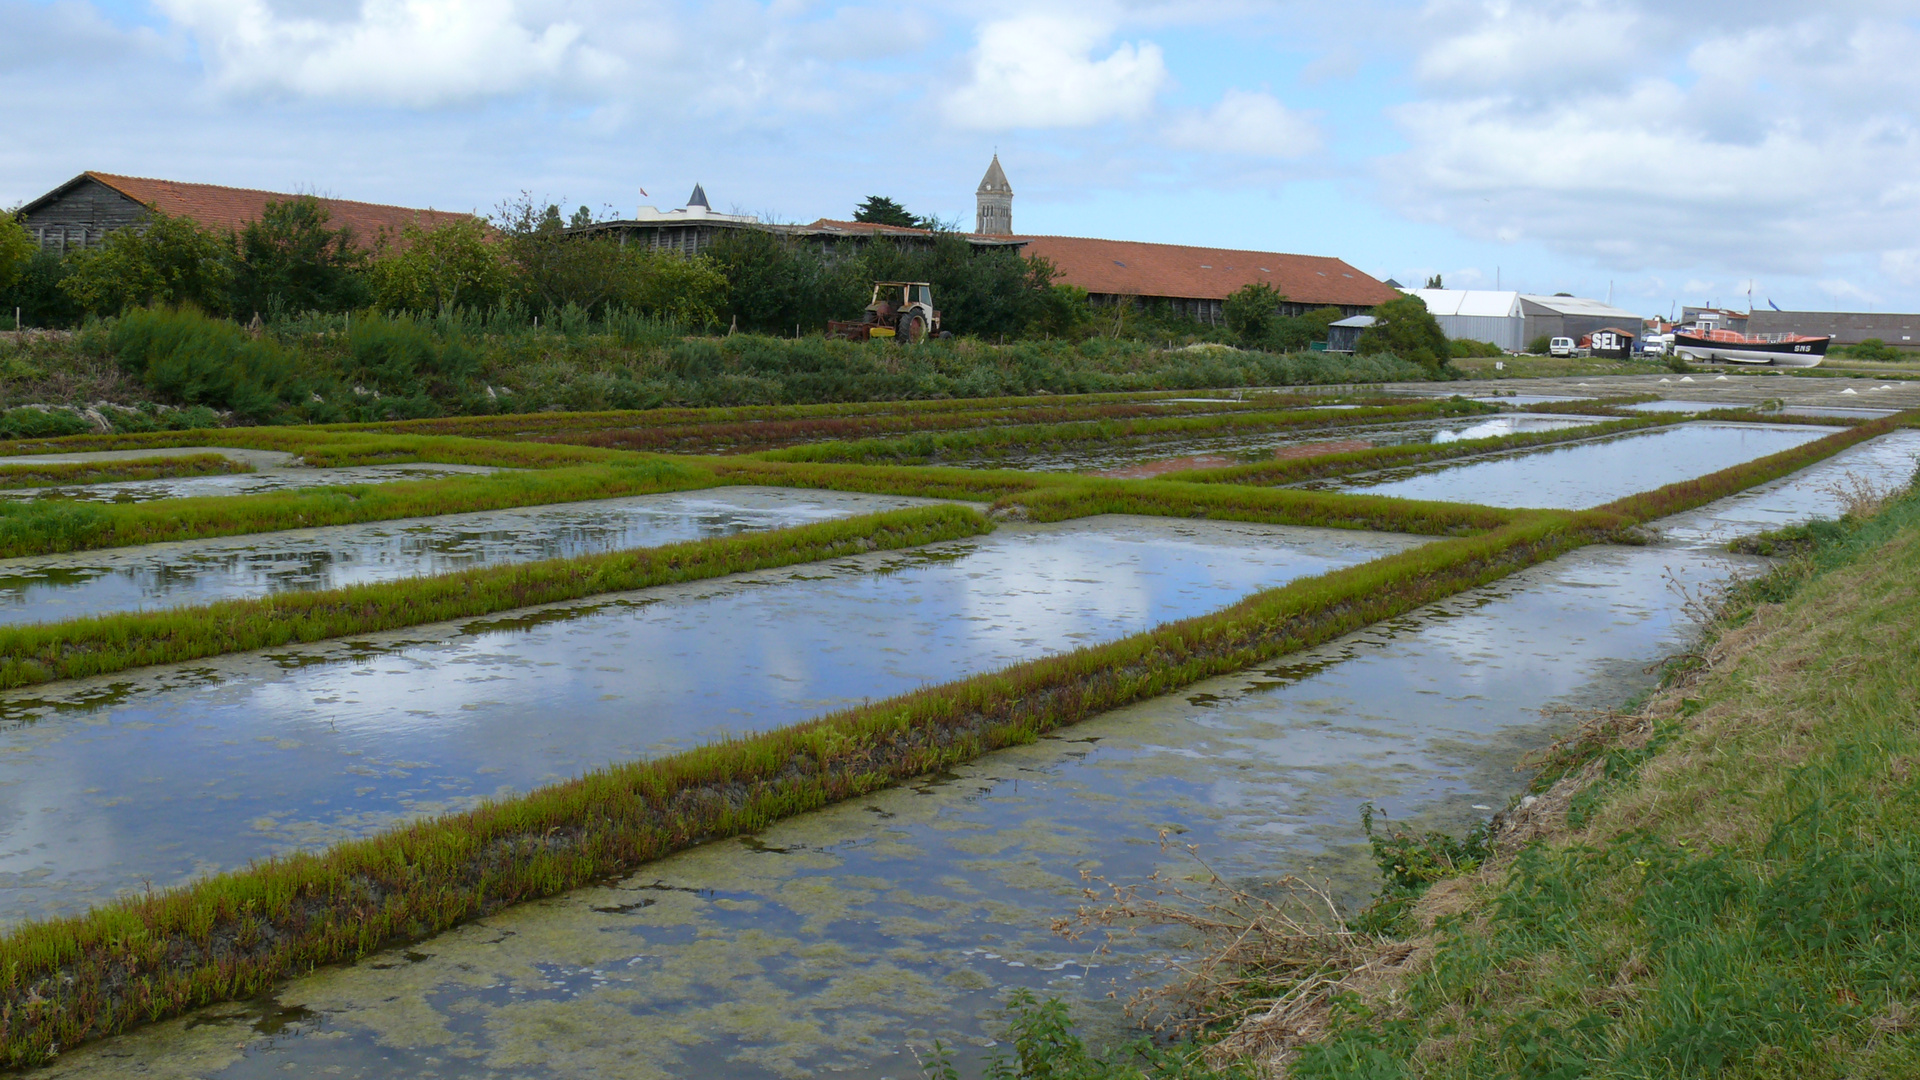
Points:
x=1467 y=347
x=395 y=353
x=201 y=361
x=27 y=422
x=1539 y=346
x=1873 y=349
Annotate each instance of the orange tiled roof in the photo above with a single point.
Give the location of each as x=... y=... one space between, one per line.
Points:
x=1133 y=268
x=224 y=207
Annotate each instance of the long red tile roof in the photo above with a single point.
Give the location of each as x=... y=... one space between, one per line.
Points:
x=1134 y=268
x=225 y=207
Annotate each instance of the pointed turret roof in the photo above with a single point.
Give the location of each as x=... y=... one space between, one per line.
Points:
x=995 y=182
x=699 y=197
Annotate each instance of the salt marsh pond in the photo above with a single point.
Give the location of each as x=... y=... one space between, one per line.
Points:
x=1585 y=474
x=48 y=588
x=173 y=772
x=833 y=942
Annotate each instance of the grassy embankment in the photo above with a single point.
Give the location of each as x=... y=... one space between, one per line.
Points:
x=64 y=473
x=582 y=423
x=1348 y=462
x=1000 y=440
x=1548 y=367
x=1722 y=882
x=229 y=936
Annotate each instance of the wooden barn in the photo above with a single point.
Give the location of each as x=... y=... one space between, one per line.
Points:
x=81 y=212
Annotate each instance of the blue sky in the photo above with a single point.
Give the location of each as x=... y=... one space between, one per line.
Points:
x=1669 y=152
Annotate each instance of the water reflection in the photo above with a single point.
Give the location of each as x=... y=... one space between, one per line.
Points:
x=249 y=483
x=48 y=588
x=833 y=941
x=168 y=773
x=1585 y=474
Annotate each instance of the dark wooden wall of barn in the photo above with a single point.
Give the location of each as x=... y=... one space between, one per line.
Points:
x=82 y=217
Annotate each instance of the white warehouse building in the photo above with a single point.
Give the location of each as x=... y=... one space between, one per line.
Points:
x=1511 y=320
x=1478 y=314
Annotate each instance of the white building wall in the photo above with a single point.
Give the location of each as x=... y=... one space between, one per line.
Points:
x=1508 y=333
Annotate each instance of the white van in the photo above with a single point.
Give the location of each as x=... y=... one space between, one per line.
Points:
x=1560 y=346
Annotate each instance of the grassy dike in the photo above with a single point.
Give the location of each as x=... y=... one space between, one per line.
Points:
x=1722 y=882
x=1348 y=462
x=101 y=644
x=60 y=473
x=994 y=440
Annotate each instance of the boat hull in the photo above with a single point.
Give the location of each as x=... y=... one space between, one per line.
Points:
x=1805 y=353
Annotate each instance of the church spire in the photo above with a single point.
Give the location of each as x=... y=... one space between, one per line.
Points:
x=994 y=202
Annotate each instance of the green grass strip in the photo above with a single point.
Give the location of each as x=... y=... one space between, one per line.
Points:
x=62 y=473
x=1276 y=506
x=43 y=526
x=1348 y=462
x=98 y=645
x=230 y=936
x=992 y=441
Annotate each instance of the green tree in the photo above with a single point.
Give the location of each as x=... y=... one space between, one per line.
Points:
x=172 y=260
x=581 y=218
x=16 y=251
x=1434 y=282
x=668 y=285
x=438 y=270
x=775 y=283
x=36 y=291
x=880 y=210
x=289 y=260
x=1406 y=329
x=1252 y=312
x=550 y=269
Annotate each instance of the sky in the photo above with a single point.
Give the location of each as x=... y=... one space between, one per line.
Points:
x=1658 y=153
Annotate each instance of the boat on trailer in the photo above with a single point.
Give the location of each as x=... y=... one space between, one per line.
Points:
x=1710 y=343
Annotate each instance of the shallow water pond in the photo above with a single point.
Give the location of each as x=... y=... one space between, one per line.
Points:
x=1585 y=474
x=168 y=773
x=1820 y=490
x=1677 y=405
x=47 y=588
x=833 y=942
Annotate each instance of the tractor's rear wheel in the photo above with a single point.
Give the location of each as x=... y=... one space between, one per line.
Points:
x=913 y=329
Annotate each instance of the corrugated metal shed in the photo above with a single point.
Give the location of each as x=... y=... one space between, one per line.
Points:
x=1477 y=314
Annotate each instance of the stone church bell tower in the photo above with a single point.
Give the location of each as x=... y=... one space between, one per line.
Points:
x=994 y=201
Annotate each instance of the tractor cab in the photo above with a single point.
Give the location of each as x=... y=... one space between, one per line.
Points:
x=902 y=310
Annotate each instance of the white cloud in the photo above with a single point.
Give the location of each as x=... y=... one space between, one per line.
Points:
x=1497 y=44
x=417 y=53
x=1256 y=125
x=1774 y=147
x=1039 y=71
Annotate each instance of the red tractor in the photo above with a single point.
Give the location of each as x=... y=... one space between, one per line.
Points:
x=901 y=310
